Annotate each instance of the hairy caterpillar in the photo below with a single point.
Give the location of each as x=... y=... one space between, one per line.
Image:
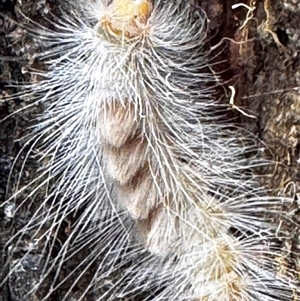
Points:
x=133 y=133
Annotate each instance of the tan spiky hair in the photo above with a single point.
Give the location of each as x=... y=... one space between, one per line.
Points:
x=133 y=141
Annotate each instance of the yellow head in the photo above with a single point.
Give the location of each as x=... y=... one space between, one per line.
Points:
x=132 y=8
x=126 y=17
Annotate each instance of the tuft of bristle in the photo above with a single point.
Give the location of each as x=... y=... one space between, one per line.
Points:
x=142 y=164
